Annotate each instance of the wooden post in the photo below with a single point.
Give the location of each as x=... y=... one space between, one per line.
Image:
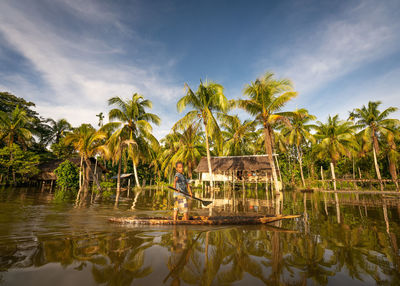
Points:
x=129 y=186
x=51 y=186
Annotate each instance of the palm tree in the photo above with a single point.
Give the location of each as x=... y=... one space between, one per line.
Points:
x=390 y=150
x=375 y=124
x=208 y=98
x=57 y=129
x=133 y=124
x=115 y=150
x=14 y=129
x=88 y=142
x=190 y=148
x=237 y=135
x=298 y=133
x=267 y=96
x=170 y=145
x=334 y=140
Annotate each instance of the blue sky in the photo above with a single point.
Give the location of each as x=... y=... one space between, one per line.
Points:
x=69 y=56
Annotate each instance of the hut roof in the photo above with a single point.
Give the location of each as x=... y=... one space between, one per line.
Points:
x=47 y=168
x=123 y=176
x=250 y=163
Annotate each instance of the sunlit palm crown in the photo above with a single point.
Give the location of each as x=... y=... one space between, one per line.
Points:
x=131 y=126
x=87 y=140
x=335 y=138
x=267 y=97
x=375 y=123
x=208 y=98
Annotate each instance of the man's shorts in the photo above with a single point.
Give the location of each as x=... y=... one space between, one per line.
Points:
x=180 y=204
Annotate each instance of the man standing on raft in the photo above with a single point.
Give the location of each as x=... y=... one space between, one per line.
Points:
x=182 y=184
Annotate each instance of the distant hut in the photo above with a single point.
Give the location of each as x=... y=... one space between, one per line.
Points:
x=249 y=168
x=47 y=174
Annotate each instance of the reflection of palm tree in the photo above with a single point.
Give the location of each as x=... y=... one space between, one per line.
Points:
x=125 y=259
x=309 y=256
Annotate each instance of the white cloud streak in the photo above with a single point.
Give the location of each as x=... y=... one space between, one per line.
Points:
x=80 y=72
x=339 y=47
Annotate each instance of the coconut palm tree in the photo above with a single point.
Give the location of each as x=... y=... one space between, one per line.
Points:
x=334 y=140
x=170 y=145
x=207 y=100
x=237 y=135
x=374 y=124
x=88 y=142
x=14 y=128
x=57 y=129
x=267 y=96
x=115 y=150
x=133 y=123
x=390 y=150
x=190 y=148
x=298 y=132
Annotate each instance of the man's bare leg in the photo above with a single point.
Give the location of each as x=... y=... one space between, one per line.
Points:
x=175 y=215
x=185 y=216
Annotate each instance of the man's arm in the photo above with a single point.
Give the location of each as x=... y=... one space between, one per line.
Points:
x=176 y=178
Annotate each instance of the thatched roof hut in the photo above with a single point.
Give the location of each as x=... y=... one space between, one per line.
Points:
x=226 y=164
x=46 y=169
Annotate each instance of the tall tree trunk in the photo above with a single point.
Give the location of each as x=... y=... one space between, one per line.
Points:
x=333 y=175
x=378 y=173
x=190 y=169
x=299 y=157
x=393 y=173
x=86 y=180
x=12 y=166
x=209 y=161
x=136 y=175
x=80 y=172
x=118 y=182
x=268 y=150
x=78 y=196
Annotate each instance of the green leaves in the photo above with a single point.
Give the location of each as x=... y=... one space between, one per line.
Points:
x=67 y=175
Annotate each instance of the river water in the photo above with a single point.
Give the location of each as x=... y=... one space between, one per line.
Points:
x=343 y=239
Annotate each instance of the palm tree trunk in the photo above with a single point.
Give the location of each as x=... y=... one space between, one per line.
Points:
x=209 y=162
x=299 y=157
x=118 y=182
x=378 y=173
x=86 y=180
x=80 y=173
x=78 y=196
x=333 y=175
x=136 y=175
x=393 y=173
x=268 y=150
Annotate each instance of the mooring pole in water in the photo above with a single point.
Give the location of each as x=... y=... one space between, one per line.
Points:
x=129 y=186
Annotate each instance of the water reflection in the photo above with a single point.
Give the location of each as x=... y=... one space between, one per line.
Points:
x=340 y=239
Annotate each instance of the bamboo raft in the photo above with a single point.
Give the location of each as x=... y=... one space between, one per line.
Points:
x=203 y=220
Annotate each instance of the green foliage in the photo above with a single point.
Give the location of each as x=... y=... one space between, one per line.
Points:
x=22 y=163
x=107 y=185
x=62 y=150
x=67 y=176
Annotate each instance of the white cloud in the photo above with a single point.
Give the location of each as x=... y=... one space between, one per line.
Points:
x=80 y=72
x=340 y=47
